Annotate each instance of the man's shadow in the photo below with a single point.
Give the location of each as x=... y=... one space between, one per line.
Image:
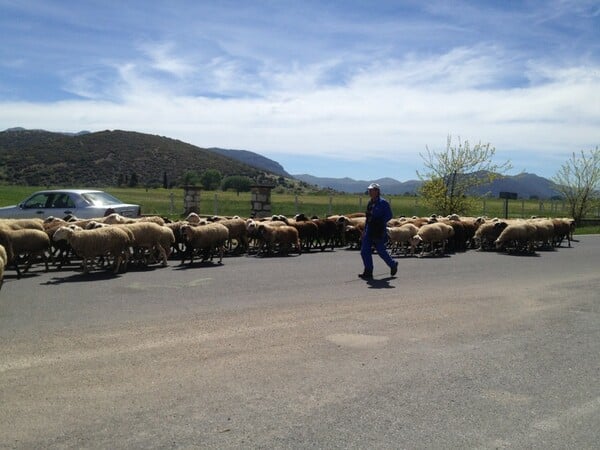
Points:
x=381 y=283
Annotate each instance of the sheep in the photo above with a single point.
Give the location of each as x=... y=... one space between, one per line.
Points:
x=283 y=237
x=206 y=239
x=179 y=244
x=563 y=228
x=61 y=250
x=26 y=244
x=351 y=228
x=3 y=262
x=255 y=240
x=307 y=231
x=544 y=232
x=518 y=235
x=151 y=236
x=193 y=218
x=237 y=232
x=432 y=234
x=458 y=241
x=357 y=221
x=487 y=233
x=402 y=235
x=19 y=224
x=116 y=218
x=88 y=244
x=352 y=236
x=327 y=231
x=471 y=224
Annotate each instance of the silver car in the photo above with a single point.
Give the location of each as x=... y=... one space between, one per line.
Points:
x=82 y=203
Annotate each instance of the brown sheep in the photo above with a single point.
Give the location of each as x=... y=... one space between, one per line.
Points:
x=282 y=238
x=25 y=244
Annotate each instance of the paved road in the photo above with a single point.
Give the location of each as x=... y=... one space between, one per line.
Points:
x=475 y=350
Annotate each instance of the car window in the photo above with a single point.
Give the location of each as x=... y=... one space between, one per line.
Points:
x=37 y=201
x=62 y=201
x=100 y=198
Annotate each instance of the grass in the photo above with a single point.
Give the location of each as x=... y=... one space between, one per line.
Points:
x=169 y=203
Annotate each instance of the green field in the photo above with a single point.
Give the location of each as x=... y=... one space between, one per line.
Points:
x=169 y=203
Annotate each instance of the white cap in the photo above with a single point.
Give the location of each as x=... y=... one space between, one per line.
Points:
x=373 y=186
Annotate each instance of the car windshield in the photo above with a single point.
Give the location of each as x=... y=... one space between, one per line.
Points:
x=100 y=198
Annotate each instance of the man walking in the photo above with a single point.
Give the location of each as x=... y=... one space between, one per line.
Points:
x=379 y=213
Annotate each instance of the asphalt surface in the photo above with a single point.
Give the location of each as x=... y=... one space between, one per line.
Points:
x=473 y=350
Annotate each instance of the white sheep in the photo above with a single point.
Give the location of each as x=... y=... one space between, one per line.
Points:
x=518 y=235
x=544 y=232
x=151 y=236
x=19 y=224
x=205 y=239
x=432 y=233
x=401 y=236
x=104 y=241
x=3 y=262
x=116 y=218
x=193 y=218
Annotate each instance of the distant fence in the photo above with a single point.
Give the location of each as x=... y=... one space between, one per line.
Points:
x=215 y=203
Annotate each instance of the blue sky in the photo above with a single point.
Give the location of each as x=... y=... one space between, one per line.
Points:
x=329 y=88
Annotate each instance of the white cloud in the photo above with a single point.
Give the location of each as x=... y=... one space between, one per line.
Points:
x=331 y=86
x=162 y=57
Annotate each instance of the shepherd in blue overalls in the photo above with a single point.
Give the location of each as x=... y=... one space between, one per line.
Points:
x=379 y=213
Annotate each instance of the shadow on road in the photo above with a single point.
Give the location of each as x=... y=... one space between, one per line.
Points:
x=383 y=283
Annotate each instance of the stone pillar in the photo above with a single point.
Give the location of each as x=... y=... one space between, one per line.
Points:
x=260 y=200
x=191 y=199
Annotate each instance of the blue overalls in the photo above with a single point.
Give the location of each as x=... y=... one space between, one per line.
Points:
x=379 y=213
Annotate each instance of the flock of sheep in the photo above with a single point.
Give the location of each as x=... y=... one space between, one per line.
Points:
x=115 y=241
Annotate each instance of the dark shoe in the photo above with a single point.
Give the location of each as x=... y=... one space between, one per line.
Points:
x=394 y=270
x=366 y=275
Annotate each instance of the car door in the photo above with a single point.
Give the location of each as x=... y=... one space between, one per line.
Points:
x=60 y=204
x=35 y=206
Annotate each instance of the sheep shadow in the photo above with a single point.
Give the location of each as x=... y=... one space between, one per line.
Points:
x=198 y=264
x=521 y=253
x=277 y=255
x=81 y=277
x=431 y=256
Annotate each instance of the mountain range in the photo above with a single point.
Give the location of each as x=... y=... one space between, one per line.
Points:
x=39 y=157
x=526 y=185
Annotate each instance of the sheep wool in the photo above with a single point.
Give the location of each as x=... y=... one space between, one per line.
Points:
x=88 y=244
x=206 y=239
x=29 y=243
x=3 y=261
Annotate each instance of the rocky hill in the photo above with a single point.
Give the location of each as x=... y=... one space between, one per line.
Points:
x=107 y=158
x=38 y=157
x=254 y=160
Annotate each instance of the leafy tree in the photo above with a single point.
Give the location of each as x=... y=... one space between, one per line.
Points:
x=451 y=176
x=190 y=178
x=238 y=182
x=578 y=179
x=165 y=182
x=211 y=179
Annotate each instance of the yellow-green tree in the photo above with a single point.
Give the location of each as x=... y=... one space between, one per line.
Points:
x=451 y=176
x=578 y=180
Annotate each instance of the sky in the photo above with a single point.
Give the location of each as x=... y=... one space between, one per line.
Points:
x=358 y=89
